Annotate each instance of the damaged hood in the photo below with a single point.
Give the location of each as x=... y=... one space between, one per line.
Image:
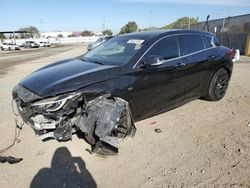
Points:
x=67 y=75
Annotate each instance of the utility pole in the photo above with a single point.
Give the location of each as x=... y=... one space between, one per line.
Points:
x=41 y=22
x=103 y=23
x=150 y=18
x=189 y=22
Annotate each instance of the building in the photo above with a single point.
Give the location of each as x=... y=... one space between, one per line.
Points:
x=56 y=34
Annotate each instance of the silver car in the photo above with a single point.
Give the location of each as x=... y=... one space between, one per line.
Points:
x=97 y=43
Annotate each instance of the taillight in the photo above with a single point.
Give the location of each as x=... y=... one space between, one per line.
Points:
x=231 y=53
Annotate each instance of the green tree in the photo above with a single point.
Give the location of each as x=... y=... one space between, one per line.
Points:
x=60 y=35
x=2 y=36
x=149 y=29
x=129 y=28
x=85 y=33
x=71 y=35
x=31 y=32
x=180 y=23
x=107 y=32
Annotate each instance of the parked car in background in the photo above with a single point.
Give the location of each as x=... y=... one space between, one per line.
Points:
x=20 y=44
x=97 y=43
x=44 y=44
x=9 y=46
x=31 y=44
x=125 y=79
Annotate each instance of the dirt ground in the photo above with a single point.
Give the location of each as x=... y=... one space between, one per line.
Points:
x=202 y=144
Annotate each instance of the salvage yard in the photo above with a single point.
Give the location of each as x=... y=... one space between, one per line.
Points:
x=201 y=144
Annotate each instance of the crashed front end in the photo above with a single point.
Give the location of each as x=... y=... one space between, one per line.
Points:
x=103 y=120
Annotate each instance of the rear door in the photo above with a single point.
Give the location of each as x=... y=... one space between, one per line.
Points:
x=193 y=48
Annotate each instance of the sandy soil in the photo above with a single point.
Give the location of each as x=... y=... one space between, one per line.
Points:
x=202 y=144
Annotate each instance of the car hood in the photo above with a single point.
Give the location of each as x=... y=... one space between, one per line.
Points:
x=67 y=75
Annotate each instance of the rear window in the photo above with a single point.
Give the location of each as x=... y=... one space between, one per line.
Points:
x=191 y=44
x=216 y=41
x=208 y=41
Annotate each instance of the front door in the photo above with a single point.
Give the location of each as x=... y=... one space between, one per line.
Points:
x=157 y=87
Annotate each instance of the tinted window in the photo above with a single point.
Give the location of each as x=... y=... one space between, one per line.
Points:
x=167 y=48
x=191 y=43
x=216 y=41
x=207 y=41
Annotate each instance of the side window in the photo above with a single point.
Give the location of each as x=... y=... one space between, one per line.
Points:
x=216 y=41
x=168 y=48
x=190 y=44
x=208 y=41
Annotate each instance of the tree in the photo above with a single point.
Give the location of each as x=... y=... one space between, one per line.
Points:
x=85 y=33
x=2 y=36
x=71 y=35
x=181 y=22
x=60 y=35
x=107 y=32
x=31 y=32
x=129 y=28
x=149 y=29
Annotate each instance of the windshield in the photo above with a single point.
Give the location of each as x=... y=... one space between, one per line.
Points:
x=99 y=40
x=115 y=51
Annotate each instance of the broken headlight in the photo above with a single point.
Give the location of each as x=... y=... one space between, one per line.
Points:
x=55 y=103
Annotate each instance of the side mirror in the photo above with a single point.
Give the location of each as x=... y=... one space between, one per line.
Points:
x=152 y=61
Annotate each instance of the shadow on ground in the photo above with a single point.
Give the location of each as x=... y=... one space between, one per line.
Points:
x=65 y=171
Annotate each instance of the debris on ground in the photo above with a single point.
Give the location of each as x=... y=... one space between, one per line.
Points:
x=10 y=160
x=158 y=130
x=248 y=124
x=152 y=123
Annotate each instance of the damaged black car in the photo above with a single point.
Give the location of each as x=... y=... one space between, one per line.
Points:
x=127 y=78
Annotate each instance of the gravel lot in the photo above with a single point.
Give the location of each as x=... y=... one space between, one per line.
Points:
x=202 y=144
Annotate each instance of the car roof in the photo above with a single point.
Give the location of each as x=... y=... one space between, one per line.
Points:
x=148 y=35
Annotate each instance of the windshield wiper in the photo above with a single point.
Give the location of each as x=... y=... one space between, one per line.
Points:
x=92 y=61
x=97 y=62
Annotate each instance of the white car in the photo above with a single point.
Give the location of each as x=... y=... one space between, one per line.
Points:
x=9 y=46
x=97 y=43
x=44 y=44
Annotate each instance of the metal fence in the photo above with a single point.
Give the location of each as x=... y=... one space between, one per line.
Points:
x=231 y=31
x=236 y=41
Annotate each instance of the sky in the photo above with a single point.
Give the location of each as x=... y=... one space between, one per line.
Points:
x=79 y=15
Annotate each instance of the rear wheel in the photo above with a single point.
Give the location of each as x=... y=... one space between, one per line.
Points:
x=218 y=85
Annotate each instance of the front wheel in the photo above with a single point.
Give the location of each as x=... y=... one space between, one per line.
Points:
x=218 y=85
x=121 y=130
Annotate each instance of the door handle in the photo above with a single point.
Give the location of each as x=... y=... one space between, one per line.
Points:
x=180 y=65
x=211 y=57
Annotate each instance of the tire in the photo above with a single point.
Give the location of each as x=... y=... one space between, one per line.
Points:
x=218 y=85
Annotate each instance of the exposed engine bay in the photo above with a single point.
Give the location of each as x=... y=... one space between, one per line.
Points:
x=103 y=120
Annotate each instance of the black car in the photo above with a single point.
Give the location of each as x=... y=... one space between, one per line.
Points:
x=127 y=78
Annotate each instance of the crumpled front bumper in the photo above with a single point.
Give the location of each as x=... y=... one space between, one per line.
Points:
x=106 y=118
x=47 y=125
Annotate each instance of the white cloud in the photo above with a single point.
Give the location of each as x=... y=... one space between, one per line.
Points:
x=194 y=2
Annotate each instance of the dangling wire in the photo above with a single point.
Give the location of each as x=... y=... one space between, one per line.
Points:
x=18 y=129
